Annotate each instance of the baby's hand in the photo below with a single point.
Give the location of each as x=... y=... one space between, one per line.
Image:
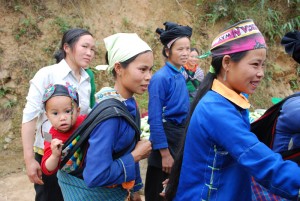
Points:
x=56 y=147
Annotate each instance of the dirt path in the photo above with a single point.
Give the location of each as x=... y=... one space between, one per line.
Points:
x=16 y=187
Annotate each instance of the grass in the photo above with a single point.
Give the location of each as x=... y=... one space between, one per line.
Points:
x=270 y=20
x=62 y=24
x=27 y=28
x=3 y=92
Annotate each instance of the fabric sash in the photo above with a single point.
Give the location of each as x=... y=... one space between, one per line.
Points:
x=74 y=189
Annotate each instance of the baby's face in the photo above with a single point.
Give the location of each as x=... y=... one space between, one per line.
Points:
x=62 y=112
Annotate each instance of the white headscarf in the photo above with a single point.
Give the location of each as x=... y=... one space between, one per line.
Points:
x=121 y=47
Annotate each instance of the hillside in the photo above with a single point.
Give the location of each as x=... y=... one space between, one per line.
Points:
x=30 y=32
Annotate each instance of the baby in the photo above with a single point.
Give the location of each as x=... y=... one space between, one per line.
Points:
x=62 y=109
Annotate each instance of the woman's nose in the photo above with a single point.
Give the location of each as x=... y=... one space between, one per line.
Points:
x=261 y=73
x=148 y=75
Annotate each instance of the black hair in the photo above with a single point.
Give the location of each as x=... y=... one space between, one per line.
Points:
x=124 y=64
x=70 y=37
x=205 y=86
x=195 y=49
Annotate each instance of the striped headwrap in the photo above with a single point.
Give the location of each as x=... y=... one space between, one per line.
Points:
x=242 y=36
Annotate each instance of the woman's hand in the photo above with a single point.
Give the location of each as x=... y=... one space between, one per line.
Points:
x=167 y=160
x=142 y=150
x=34 y=172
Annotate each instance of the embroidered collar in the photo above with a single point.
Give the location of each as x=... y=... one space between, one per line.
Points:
x=231 y=95
x=108 y=92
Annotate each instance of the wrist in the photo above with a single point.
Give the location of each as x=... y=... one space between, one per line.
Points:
x=135 y=156
x=28 y=158
x=164 y=152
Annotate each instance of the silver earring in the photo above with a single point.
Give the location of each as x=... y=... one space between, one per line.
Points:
x=225 y=76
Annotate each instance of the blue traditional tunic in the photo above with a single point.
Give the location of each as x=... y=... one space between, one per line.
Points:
x=168 y=102
x=221 y=154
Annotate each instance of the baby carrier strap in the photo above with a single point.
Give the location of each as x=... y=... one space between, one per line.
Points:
x=264 y=128
x=106 y=109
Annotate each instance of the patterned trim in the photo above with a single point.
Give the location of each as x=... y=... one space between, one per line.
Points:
x=213 y=169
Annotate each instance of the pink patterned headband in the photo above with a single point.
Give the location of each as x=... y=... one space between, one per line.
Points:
x=242 y=36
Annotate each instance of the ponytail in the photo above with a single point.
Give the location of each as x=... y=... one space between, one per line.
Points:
x=204 y=87
x=59 y=55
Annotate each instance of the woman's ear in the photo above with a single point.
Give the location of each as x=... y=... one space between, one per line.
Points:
x=167 y=51
x=226 y=62
x=118 y=68
x=66 y=47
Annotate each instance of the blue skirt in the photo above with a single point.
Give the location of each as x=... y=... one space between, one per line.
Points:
x=74 y=189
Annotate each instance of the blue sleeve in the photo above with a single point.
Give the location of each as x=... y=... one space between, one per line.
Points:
x=138 y=181
x=289 y=118
x=232 y=133
x=288 y=126
x=100 y=168
x=157 y=98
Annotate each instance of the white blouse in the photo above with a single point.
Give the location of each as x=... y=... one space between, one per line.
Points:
x=55 y=74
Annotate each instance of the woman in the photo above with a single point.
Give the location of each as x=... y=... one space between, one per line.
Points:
x=168 y=106
x=76 y=52
x=105 y=175
x=287 y=132
x=220 y=152
x=192 y=73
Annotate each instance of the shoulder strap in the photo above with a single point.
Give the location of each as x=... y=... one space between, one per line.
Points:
x=136 y=139
x=106 y=109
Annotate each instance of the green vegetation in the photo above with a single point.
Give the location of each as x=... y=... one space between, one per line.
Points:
x=62 y=24
x=274 y=18
x=273 y=23
x=125 y=22
x=294 y=83
x=27 y=29
x=9 y=104
x=3 y=91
